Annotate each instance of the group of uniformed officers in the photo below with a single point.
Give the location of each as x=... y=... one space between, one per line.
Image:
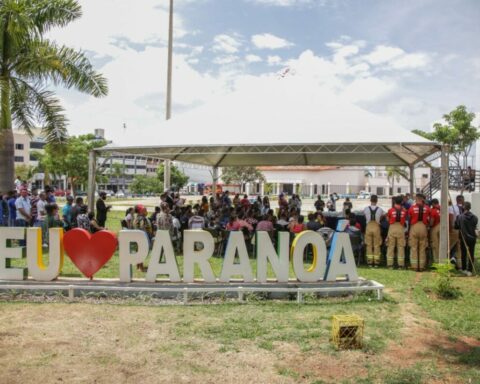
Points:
x=420 y=223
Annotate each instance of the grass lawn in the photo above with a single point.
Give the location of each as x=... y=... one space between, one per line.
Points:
x=410 y=337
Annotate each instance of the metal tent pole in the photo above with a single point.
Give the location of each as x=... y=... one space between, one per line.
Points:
x=167 y=164
x=444 y=251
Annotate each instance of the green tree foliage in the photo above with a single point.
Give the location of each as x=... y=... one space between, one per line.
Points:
x=24 y=172
x=28 y=64
x=240 y=175
x=457 y=132
x=70 y=159
x=178 y=179
x=395 y=174
x=144 y=184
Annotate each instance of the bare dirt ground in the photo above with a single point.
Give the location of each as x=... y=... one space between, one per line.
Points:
x=85 y=343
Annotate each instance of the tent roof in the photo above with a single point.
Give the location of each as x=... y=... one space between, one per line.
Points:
x=276 y=127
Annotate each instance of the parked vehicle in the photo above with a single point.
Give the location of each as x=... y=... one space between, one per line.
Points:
x=364 y=195
x=120 y=194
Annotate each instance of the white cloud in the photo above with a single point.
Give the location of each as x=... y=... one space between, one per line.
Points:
x=383 y=54
x=226 y=43
x=253 y=59
x=274 y=60
x=229 y=59
x=269 y=41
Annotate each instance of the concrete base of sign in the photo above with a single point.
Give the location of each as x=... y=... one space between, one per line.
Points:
x=184 y=292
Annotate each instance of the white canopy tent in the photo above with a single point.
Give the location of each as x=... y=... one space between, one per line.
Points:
x=277 y=127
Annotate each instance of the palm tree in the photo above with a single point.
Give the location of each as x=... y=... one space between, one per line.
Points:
x=28 y=62
x=395 y=173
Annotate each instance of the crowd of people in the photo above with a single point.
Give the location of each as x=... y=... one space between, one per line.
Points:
x=408 y=231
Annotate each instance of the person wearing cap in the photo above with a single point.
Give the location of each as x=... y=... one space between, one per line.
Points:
x=419 y=215
x=435 y=230
x=24 y=209
x=373 y=237
x=102 y=209
x=397 y=216
x=67 y=213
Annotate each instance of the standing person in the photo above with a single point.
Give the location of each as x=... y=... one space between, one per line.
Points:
x=41 y=209
x=455 y=249
x=297 y=225
x=467 y=223
x=50 y=221
x=33 y=202
x=347 y=204
x=50 y=195
x=12 y=210
x=397 y=216
x=419 y=215
x=83 y=221
x=67 y=213
x=435 y=229
x=319 y=204
x=373 y=237
x=265 y=205
x=4 y=210
x=102 y=209
x=197 y=221
x=76 y=210
x=245 y=203
x=24 y=209
x=128 y=220
x=164 y=218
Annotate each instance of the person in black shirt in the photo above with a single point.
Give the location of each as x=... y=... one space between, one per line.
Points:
x=466 y=223
x=102 y=209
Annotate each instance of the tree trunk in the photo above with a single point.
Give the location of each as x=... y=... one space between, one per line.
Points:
x=7 y=145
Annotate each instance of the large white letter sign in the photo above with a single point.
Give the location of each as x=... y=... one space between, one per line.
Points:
x=129 y=258
x=341 y=246
x=6 y=272
x=192 y=257
x=169 y=267
x=317 y=271
x=236 y=244
x=36 y=267
x=279 y=260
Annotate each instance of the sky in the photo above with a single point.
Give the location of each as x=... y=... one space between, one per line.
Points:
x=411 y=61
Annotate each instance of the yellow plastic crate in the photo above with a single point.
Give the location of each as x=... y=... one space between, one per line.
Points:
x=347 y=331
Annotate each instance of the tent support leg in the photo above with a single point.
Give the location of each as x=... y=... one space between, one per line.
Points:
x=214 y=181
x=444 y=248
x=412 y=179
x=92 y=162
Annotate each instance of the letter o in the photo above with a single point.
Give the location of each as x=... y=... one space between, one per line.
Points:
x=319 y=264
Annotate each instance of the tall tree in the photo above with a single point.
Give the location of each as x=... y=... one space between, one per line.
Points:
x=28 y=63
x=241 y=175
x=178 y=179
x=458 y=133
x=73 y=162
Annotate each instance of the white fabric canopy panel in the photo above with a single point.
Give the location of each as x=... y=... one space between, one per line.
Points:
x=277 y=127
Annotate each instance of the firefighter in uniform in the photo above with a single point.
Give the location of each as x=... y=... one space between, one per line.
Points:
x=397 y=216
x=373 y=237
x=435 y=229
x=419 y=215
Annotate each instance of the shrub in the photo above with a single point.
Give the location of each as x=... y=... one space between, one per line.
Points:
x=444 y=287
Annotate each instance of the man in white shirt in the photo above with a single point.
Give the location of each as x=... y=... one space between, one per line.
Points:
x=373 y=237
x=22 y=204
x=453 y=212
x=41 y=211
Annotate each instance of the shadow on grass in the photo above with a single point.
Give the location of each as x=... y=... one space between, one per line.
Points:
x=462 y=353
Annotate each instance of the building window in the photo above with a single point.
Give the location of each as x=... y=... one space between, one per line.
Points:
x=19 y=159
x=425 y=175
x=19 y=146
x=33 y=157
x=37 y=145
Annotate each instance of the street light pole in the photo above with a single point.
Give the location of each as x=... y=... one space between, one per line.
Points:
x=168 y=112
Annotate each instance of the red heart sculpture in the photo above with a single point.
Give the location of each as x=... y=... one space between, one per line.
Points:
x=89 y=252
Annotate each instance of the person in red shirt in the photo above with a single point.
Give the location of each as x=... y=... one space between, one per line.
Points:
x=397 y=216
x=245 y=203
x=435 y=229
x=419 y=215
